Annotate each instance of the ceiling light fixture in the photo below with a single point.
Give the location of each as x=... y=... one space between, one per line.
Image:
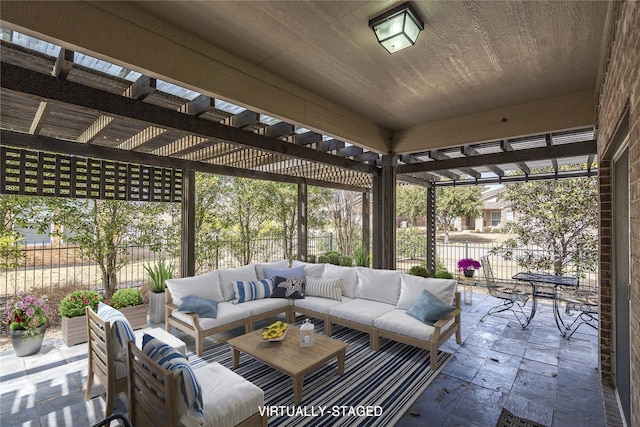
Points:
x=397 y=28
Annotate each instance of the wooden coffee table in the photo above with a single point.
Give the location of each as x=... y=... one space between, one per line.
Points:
x=287 y=356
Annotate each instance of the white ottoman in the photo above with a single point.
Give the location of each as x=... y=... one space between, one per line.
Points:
x=163 y=336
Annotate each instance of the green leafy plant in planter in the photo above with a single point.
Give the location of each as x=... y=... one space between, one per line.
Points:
x=158 y=274
x=311 y=259
x=419 y=270
x=345 y=261
x=127 y=297
x=73 y=310
x=361 y=257
x=330 y=257
x=73 y=305
x=443 y=274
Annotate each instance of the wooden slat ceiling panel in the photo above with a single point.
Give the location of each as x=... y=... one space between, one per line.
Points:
x=165 y=100
x=119 y=132
x=67 y=122
x=17 y=111
x=25 y=58
x=95 y=79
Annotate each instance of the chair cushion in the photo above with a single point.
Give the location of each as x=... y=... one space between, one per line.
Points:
x=252 y=290
x=310 y=269
x=228 y=398
x=261 y=306
x=230 y=275
x=121 y=330
x=204 y=285
x=292 y=288
x=227 y=313
x=318 y=304
x=326 y=288
x=412 y=286
x=281 y=265
x=398 y=322
x=188 y=391
x=349 y=276
x=201 y=306
x=429 y=309
x=360 y=310
x=379 y=285
x=289 y=273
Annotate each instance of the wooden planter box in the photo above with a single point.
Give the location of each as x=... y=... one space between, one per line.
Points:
x=74 y=330
x=136 y=315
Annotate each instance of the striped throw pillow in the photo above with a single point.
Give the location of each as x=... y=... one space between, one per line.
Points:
x=190 y=406
x=252 y=290
x=121 y=330
x=326 y=288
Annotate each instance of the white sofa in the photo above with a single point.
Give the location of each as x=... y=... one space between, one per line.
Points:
x=373 y=301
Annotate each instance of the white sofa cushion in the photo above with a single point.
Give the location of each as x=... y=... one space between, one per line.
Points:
x=228 y=399
x=281 y=265
x=412 y=286
x=227 y=313
x=205 y=285
x=318 y=304
x=399 y=322
x=349 y=276
x=327 y=288
x=379 y=285
x=230 y=275
x=360 y=310
x=260 y=306
x=314 y=270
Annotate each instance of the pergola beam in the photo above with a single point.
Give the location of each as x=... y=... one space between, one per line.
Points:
x=506 y=146
x=531 y=154
x=468 y=151
x=41 y=86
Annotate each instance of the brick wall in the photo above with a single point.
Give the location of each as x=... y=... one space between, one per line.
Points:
x=621 y=89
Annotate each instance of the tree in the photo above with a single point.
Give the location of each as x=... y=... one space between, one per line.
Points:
x=559 y=217
x=453 y=202
x=411 y=201
x=247 y=214
x=344 y=212
x=101 y=229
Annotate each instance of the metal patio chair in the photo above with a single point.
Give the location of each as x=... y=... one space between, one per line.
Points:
x=513 y=294
x=583 y=303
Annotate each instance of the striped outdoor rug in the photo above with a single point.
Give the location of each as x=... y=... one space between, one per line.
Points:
x=384 y=383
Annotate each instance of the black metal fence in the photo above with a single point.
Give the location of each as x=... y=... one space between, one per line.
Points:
x=47 y=266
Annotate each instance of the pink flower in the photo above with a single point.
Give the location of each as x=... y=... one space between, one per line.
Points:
x=19 y=305
x=46 y=307
x=27 y=299
x=30 y=311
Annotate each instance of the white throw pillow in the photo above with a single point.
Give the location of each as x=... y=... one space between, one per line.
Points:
x=348 y=275
x=310 y=269
x=412 y=286
x=279 y=265
x=204 y=285
x=230 y=275
x=379 y=285
x=326 y=288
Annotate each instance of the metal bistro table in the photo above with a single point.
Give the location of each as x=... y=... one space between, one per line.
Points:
x=537 y=280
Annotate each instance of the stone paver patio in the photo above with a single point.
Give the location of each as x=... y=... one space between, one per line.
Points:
x=534 y=373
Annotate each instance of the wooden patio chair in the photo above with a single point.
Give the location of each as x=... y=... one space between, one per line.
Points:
x=512 y=294
x=101 y=360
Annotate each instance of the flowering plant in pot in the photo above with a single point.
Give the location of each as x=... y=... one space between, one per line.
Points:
x=27 y=322
x=73 y=310
x=129 y=301
x=468 y=266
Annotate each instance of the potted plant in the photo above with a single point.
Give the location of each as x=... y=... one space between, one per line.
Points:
x=468 y=266
x=27 y=323
x=158 y=274
x=419 y=270
x=129 y=302
x=73 y=312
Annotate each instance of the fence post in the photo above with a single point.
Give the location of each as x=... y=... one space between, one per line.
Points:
x=331 y=241
x=466 y=249
x=217 y=250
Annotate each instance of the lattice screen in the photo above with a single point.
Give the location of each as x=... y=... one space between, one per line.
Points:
x=36 y=173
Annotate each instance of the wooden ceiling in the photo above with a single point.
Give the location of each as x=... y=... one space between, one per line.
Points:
x=474 y=58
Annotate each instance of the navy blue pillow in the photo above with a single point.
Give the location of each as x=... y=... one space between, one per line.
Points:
x=429 y=309
x=286 y=287
x=201 y=306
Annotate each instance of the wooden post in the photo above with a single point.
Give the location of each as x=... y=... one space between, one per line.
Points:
x=188 y=235
x=388 y=223
x=302 y=222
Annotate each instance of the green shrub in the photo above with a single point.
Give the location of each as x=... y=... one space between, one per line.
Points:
x=330 y=257
x=345 y=261
x=311 y=259
x=158 y=274
x=419 y=270
x=443 y=274
x=73 y=304
x=126 y=297
x=360 y=257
